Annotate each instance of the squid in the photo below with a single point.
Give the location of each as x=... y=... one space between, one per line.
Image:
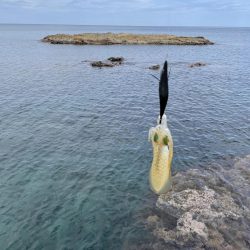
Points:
x=162 y=143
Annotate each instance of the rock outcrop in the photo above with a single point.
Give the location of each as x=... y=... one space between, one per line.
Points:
x=101 y=64
x=110 y=62
x=198 y=64
x=124 y=38
x=118 y=59
x=155 y=67
x=206 y=209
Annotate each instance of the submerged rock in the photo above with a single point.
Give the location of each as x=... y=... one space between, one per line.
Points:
x=206 y=209
x=155 y=67
x=118 y=59
x=110 y=62
x=101 y=64
x=198 y=64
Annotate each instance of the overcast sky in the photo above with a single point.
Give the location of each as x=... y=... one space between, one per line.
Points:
x=128 y=12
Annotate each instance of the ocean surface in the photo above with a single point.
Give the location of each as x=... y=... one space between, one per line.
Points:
x=74 y=155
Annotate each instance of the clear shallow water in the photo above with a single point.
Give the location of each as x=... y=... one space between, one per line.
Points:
x=74 y=156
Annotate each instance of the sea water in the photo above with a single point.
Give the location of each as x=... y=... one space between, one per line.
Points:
x=74 y=156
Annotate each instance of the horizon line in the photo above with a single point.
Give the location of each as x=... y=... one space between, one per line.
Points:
x=124 y=25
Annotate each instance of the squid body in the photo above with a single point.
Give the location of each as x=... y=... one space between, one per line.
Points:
x=160 y=136
x=160 y=172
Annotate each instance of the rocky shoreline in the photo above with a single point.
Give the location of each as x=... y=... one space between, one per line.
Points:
x=206 y=209
x=124 y=39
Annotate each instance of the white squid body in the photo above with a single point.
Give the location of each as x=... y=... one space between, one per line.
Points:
x=160 y=172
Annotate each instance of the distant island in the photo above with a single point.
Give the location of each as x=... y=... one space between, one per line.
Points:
x=125 y=39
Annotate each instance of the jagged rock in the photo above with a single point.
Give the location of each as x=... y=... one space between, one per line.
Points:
x=198 y=64
x=101 y=64
x=119 y=59
x=110 y=62
x=206 y=209
x=155 y=67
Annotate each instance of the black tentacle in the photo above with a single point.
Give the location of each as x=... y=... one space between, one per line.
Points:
x=163 y=89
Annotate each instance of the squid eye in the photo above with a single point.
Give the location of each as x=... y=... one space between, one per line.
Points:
x=156 y=137
x=165 y=140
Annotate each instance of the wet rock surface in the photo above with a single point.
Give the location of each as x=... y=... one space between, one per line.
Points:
x=110 y=62
x=197 y=64
x=101 y=64
x=155 y=67
x=206 y=209
x=118 y=59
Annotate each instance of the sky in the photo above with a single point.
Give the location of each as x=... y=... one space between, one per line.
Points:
x=226 y=13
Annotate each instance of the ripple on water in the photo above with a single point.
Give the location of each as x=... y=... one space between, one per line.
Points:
x=74 y=156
